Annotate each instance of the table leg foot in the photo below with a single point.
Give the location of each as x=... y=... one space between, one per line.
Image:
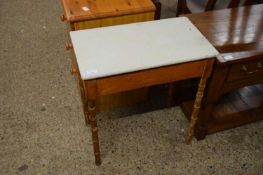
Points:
x=98 y=162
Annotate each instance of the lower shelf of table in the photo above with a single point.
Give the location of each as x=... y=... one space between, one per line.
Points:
x=237 y=108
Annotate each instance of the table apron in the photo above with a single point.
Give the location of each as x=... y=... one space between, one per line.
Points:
x=135 y=80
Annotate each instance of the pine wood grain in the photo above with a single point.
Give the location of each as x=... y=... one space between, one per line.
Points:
x=104 y=8
x=147 y=78
x=115 y=20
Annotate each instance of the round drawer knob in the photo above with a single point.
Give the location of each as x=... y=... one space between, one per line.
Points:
x=62 y=18
x=259 y=65
x=244 y=68
x=73 y=71
x=68 y=46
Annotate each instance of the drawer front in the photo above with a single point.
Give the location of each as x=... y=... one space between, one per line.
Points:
x=245 y=70
x=116 y=20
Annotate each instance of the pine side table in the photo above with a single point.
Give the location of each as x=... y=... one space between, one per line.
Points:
x=139 y=55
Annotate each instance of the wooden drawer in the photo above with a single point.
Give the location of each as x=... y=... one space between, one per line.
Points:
x=245 y=70
x=115 y=20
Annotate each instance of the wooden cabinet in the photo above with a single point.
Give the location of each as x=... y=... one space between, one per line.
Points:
x=234 y=94
x=88 y=14
x=100 y=13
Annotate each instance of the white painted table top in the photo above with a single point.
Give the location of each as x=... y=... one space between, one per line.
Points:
x=126 y=48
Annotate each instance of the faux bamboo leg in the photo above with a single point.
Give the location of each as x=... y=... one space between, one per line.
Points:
x=84 y=101
x=86 y=115
x=75 y=71
x=85 y=105
x=197 y=104
x=94 y=130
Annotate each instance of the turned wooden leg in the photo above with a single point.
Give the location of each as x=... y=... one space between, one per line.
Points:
x=86 y=115
x=75 y=71
x=94 y=130
x=85 y=107
x=197 y=104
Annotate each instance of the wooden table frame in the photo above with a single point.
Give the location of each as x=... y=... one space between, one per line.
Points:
x=93 y=89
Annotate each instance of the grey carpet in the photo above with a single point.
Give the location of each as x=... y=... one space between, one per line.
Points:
x=42 y=128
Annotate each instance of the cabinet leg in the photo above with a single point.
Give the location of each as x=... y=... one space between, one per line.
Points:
x=182 y=8
x=94 y=130
x=200 y=132
x=158 y=7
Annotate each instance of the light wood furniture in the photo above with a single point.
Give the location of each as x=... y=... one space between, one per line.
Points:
x=140 y=57
x=234 y=95
x=87 y=14
x=92 y=14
